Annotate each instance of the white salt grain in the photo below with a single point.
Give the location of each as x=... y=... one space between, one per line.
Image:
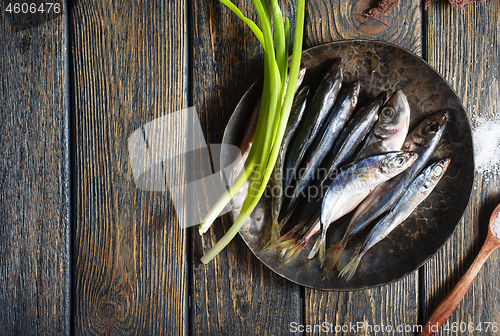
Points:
x=496 y=226
x=486 y=135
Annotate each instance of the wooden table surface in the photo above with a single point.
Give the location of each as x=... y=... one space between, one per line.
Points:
x=83 y=251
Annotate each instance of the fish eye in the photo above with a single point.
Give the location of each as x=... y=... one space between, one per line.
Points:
x=387 y=112
x=400 y=161
x=438 y=170
x=354 y=101
x=433 y=127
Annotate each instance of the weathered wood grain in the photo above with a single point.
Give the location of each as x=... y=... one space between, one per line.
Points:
x=464 y=46
x=448 y=305
x=235 y=294
x=328 y=21
x=34 y=176
x=366 y=312
x=129 y=69
x=395 y=304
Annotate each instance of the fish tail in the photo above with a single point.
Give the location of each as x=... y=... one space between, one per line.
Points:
x=285 y=244
x=333 y=256
x=291 y=232
x=294 y=252
x=314 y=250
x=288 y=235
x=274 y=235
x=348 y=271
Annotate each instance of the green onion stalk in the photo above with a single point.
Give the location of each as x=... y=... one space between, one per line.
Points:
x=276 y=103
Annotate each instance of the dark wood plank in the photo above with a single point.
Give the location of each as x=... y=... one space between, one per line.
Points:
x=395 y=304
x=129 y=250
x=235 y=294
x=328 y=21
x=467 y=56
x=34 y=175
x=362 y=312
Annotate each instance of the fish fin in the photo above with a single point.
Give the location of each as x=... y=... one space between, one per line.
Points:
x=314 y=249
x=333 y=256
x=287 y=240
x=288 y=235
x=293 y=252
x=348 y=271
x=275 y=237
x=291 y=232
x=322 y=247
x=284 y=244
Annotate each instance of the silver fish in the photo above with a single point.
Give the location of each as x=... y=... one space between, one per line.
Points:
x=349 y=188
x=316 y=112
x=322 y=144
x=337 y=202
x=354 y=133
x=418 y=191
x=391 y=129
x=423 y=140
x=349 y=139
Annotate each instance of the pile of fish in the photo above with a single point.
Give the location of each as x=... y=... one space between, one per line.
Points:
x=336 y=159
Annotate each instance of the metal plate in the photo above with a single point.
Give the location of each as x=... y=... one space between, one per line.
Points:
x=378 y=66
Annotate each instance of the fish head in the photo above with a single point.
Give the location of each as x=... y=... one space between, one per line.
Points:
x=335 y=75
x=394 y=121
x=299 y=98
x=395 y=162
x=302 y=72
x=429 y=129
x=436 y=171
x=338 y=65
x=336 y=71
x=382 y=97
x=353 y=95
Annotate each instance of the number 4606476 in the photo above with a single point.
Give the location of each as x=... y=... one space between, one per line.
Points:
x=32 y=8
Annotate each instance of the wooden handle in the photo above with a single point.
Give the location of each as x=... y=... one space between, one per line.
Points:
x=448 y=305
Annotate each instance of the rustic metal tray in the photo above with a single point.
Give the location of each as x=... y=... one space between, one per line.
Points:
x=378 y=66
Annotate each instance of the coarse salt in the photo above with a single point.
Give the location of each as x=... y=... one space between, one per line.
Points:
x=496 y=226
x=486 y=135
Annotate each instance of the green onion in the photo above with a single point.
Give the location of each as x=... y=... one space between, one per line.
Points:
x=281 y=48
x=249 y=22
x=277 y=98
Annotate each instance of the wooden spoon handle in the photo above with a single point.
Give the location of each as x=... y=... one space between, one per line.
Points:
x=448 y=305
